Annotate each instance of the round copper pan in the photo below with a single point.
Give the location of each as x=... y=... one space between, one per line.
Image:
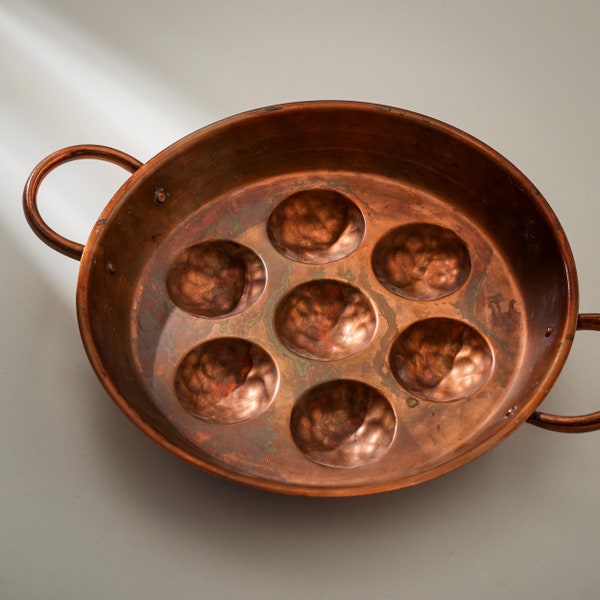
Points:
x=325 y=298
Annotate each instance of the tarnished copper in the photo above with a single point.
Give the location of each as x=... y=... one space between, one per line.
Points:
x=216 y=278
x=226 y=380
x=441 y=359
x=316 y=226
x=421 y=261
x=343 y=423
x=325 y=298
x=325 y=320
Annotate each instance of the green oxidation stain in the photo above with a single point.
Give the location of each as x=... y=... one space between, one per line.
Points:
x=467 y=308
x=412 y=402
x=348 y=276
x=252 y=322
x=387 y=313
x=271 y=304
x=269 y=443
x=390 y=322
x=317 y=273
x=301 y=367
x=223 y=327
x=236 y=225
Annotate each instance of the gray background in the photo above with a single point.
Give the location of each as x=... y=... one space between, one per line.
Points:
x=91 y=508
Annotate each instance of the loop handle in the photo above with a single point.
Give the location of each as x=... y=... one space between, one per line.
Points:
x=60 y=157
x=577 y=424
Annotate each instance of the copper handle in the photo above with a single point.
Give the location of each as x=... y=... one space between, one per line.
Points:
x=577 y=424
x=35 y=220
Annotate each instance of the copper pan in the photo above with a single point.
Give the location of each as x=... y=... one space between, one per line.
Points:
x=325 y=298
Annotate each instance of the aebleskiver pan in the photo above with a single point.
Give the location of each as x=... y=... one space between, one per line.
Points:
x=325 y=298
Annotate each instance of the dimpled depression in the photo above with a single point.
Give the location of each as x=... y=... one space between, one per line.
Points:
x=226 y=380
x=316 y=226
x=421 y=261
x=441 y=359
x=343 y=423
x=216 y=278
x=325 y=320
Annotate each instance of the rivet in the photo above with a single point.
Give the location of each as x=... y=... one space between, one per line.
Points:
x=510 y=412
x=111 y=268
x=160 y=195
x=549 y=330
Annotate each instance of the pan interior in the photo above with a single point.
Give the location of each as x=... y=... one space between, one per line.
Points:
x=402 y=338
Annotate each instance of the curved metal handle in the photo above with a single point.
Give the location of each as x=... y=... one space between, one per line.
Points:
x=39 y=226
x=581 y=423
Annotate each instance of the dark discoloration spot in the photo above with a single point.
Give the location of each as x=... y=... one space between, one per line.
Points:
x=412 y=402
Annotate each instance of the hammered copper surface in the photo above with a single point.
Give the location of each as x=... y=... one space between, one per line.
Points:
x=325 y=298
x=316 y=226
x=216 y=278
x=421 y=261
x=226 y=380
x=343 y=423
x=441 y=359
x=325 y=320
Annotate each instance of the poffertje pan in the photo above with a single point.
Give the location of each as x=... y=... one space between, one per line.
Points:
x=325 y=298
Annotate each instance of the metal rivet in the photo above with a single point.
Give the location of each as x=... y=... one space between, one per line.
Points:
x=510 y=412
x=549 y=331
x=111 y=268
x=160 y=195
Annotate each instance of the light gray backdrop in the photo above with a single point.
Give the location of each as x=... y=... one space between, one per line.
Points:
x=89 y=507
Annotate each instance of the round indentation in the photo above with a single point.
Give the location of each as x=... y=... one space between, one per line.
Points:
x=216 y=278
x=441 y=359
x=316 y=226
x=343 y=423
x=226 y=380
x=325 y=320
x=421 y=261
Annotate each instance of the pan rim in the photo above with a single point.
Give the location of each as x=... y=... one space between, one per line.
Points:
x=171 y=152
